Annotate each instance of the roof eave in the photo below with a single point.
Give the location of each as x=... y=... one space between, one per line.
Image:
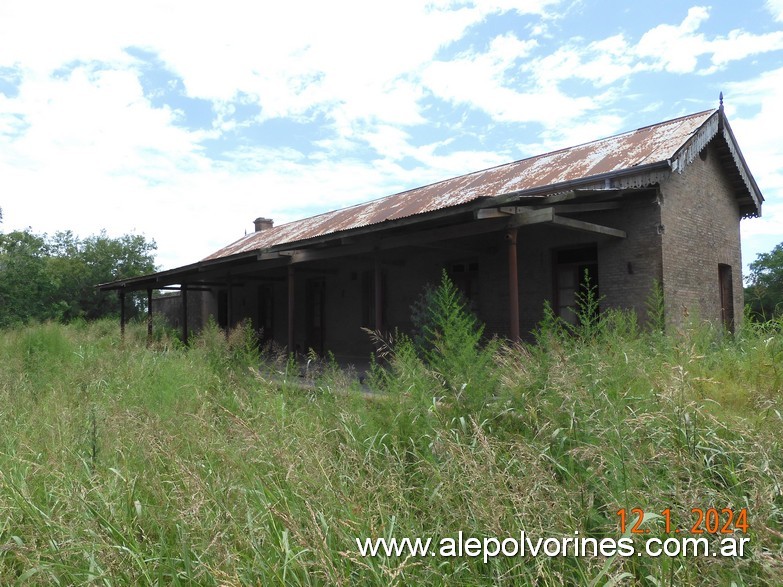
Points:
x=170 y=276
x=646 y=173
x=718 y=125
x=742 y=167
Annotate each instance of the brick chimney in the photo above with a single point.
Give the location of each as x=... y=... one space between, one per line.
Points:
x=263 y=224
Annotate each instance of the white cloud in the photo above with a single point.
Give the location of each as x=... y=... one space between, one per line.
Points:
x=738 y=45
x=601 y=62
x=539 y=7
x=589 y=129
x=676 y=48
x=83 y=146
x=97 y=121
x=354 y=61
x=296 y=57
x=775 y=8
x=488 y=81
x=93 y=154
x=482 y=79
x=760 y=97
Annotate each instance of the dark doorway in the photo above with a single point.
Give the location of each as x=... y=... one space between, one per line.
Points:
x=316 y=296
x=368 y=299
x=465 y=277
x=574 y=270
x=265 y=313
x=222 y=309
x=726 y=296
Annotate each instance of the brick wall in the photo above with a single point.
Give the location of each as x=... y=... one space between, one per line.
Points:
x=627 y=269
x=170 y=307
x=676 y=235
x=701 y=222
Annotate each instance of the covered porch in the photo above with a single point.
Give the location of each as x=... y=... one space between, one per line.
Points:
x=321 y=293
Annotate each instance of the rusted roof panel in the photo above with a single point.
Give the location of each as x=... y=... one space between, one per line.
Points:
x=644 y=146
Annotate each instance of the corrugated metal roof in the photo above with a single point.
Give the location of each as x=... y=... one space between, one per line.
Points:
x=644 y=146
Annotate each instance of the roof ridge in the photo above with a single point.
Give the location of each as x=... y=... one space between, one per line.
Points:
x=613 y=154
x=498 y=166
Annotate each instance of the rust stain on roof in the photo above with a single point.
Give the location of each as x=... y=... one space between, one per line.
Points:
x=651 y=144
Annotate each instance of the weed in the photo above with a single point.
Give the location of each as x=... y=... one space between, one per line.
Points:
x=128 y=464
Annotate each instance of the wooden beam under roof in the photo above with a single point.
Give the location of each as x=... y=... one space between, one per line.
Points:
x=413 y=240
x=506 y=211
x=548 y=216
x=583 y=226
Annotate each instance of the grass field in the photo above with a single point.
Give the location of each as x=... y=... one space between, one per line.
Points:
x=123 y=464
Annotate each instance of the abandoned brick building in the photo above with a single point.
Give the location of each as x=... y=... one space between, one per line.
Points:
x=659 y=204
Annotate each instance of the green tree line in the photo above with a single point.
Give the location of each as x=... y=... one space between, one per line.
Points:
x=764 y=295
x=45 y=277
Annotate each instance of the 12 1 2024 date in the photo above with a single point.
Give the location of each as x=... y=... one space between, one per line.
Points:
x=709 y=520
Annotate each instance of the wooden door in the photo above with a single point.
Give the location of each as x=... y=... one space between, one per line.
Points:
x=726 y=296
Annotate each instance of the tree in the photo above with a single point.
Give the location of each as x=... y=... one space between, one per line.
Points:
x=764 y=295
x=24 y=284
x=108 y=259
x=54 y=278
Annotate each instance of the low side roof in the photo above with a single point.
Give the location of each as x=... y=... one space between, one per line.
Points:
x=645 y=147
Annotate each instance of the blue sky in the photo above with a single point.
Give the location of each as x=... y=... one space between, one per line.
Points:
x=185 y=121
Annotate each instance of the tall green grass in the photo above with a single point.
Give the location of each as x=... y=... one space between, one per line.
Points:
x=122 y=463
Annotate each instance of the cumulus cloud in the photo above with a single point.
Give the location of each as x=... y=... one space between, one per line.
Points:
x=775 y=8
x=761 y=98
x=87 y=141
x=677 y=49
x=513 y=81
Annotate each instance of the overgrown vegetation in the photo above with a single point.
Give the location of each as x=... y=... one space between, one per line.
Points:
x=45 y=277
x=764 y=294
x=126 y=464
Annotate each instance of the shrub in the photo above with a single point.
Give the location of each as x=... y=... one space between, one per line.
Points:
x=453 y=346
x=236 y=350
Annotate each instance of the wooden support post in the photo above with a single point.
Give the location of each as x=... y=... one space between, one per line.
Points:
x=291 y=284
x=122 y=314
x=149 y=315
x=229 y=306
x=184 y=313
x=513 y=285
x=378 y=293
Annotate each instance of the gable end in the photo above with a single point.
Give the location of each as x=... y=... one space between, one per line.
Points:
x=744 y=186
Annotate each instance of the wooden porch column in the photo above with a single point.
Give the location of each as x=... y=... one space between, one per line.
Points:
x=184 y=292
x=122 y=314
x=513 y=285
x=229 y=306
x=149 y=315
x=291 y=284
x=378 y=293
